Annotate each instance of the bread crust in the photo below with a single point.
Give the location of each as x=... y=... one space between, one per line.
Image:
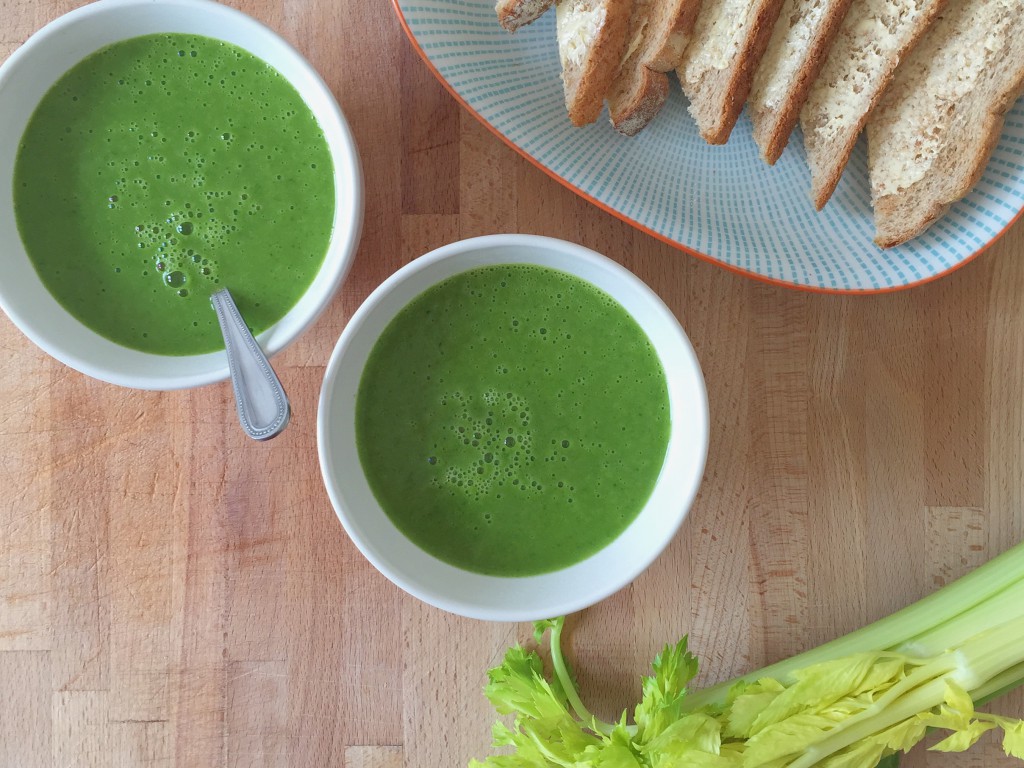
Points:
x=827 y=166
x=513 y=14
x=586 y=86
x=772 y=126
x=904 y=215
x=638 y=93
x=670 y=35
x=718 y=95
x=634 y=104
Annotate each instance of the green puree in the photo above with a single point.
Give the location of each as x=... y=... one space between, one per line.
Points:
x=161 y=169
x=512 y=420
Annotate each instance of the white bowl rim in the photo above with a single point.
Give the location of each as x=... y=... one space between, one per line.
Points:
x=348 y=221
x=558 y=605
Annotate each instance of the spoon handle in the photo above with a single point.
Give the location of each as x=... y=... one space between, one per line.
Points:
x=262 y=403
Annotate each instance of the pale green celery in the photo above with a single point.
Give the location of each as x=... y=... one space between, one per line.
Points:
x=977 y=662
x=998 y=685
x=568 y=685
x=1000 y=574
x=986 y=663
x=957 y=638
x=936 y=668
x=918 y=701
x=971 y=621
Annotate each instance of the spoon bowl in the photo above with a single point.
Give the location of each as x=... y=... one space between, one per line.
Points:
x=262 y=404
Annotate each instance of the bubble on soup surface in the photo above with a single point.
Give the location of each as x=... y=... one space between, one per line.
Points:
x=175 y=279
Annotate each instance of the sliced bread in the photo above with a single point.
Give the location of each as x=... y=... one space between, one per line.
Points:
x=729 y=39
x=872 y=39
x=795 y=55
x=637 y=93
x=932 y=134
x=669 y=33
x=658 y=33
x=591 y=44
x=513 y=14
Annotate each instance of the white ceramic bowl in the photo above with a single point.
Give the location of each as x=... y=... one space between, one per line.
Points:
x=522 y=598
x=25 y=78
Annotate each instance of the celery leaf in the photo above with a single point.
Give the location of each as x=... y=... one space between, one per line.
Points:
x=542 y=626
x=746 y=702
x=518 y=686
x=965 y=738
x=790 y=736
x=902 y=736
x=694 y=741
x=959 y=699
x=860 y=755
x=611 y=756
x=1013 y=739
x=822 y=685
x=696 y=732
x=663 y=692
x=957 y=712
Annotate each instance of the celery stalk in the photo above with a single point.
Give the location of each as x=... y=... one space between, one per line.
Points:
x=846 y=703
x=978 y=661
x=998 y=685
x=991 y=612
x=913 y=623
x=568 y=685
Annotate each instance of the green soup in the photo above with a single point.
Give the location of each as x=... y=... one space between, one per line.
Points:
x=161 y=169
x=512 y=420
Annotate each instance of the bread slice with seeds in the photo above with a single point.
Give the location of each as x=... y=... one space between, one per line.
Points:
x=934 y=131
x=795 y=55
x=873 y=38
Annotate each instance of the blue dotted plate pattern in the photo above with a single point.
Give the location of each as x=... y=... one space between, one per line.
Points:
x=721 y=202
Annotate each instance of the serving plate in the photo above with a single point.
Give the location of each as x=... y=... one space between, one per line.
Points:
x=724 y=203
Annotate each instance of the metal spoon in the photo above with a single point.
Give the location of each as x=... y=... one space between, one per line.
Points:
x=263 y=407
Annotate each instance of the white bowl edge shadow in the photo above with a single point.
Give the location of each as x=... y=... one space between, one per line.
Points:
x=525 y=598
x=25 y=78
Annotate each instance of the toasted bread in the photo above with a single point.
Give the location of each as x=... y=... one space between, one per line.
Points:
x=669 y=32
x=931 y=80
x=591 y=44
x=658 y=33
x=638 y=93
x=718 y=67
x=934 y=131
x=873 y=38
x=513 y=14
x=795 y=55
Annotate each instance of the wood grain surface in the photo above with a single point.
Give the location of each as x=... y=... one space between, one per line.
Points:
x=174 y=594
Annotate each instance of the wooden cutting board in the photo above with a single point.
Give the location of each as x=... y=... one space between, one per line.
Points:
x=174 y=594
